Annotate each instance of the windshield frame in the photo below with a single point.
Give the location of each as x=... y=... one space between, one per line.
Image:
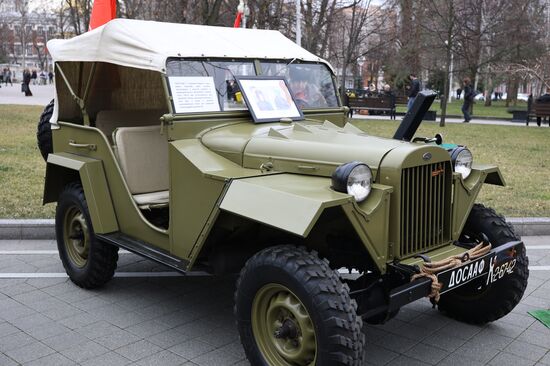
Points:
x=257 y=66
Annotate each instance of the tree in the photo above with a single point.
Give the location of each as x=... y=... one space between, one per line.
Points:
x=79 y=14
x=362 y=33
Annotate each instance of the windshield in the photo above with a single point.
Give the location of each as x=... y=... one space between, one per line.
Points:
x=311 y=84
x=222 y=73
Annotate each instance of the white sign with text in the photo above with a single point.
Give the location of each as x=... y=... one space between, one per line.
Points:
x=194 y=94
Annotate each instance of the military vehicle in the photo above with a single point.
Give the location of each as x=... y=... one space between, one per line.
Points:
x=228 y=151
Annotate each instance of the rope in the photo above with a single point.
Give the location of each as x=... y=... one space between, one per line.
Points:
x=430 y=269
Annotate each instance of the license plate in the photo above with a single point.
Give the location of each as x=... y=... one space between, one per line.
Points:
x=491 y=267
x=456 y=277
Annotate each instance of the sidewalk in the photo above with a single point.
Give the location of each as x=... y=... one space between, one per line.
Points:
x=150 y=315
x=42 y=94
x=480 y=121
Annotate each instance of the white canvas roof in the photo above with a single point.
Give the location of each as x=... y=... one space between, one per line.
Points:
x=147 y=45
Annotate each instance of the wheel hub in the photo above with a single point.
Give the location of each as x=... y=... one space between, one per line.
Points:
x=283 y=328
x=76 y=237
x=287 y=331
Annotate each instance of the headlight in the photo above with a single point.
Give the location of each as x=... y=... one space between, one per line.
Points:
x=353 y=178
x=462 y=161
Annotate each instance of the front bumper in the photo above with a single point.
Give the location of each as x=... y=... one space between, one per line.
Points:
x=495 y=265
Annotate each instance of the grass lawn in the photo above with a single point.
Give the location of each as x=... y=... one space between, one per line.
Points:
x=522 y=154
x=497 y=110
x=21 y=166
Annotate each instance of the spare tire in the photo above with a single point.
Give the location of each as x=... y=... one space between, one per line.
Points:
x=44 y=131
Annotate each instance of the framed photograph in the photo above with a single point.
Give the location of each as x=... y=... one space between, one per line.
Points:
x=268 y=98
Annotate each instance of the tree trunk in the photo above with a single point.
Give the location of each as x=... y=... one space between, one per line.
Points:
x=488 y=90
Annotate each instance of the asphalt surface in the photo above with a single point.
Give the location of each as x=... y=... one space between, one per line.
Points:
x=149 y=315
x=42 y=94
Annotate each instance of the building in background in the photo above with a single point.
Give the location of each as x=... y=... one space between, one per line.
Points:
x=24 y=34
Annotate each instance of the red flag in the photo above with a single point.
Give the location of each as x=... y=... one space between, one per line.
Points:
x=237 y=23
x=102 y=12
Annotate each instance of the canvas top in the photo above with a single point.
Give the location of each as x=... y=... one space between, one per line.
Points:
x=147 y=44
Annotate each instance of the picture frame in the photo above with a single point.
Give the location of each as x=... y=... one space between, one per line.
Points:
x=269 y=98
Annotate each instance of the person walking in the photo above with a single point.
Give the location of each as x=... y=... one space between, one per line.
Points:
x=545 y=98
x=458 y=92
x=50 y=77
x=27 y=77
x=7 y=77
x=388 y=93
x=414 y=88
x=34 y=76
x=468 y=99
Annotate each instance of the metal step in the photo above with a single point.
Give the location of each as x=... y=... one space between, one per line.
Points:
x=144 y=249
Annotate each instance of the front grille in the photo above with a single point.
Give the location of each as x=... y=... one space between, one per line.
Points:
x=425 y=207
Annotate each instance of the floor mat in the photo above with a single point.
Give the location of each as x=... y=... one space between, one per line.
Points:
x=542 y=316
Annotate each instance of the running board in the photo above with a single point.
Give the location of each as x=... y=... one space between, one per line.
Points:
x=144 y=249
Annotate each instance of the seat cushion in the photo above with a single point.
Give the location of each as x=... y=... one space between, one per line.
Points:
x=153 y=199
x=143 y=157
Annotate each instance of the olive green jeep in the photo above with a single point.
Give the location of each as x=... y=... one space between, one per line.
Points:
x=228 y=151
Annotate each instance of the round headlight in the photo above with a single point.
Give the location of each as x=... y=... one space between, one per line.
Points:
x=462 y=161
x=353 y=178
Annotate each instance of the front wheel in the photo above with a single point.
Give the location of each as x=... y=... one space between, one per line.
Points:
x=477 y=302
x=89 y=262
x=293 y=310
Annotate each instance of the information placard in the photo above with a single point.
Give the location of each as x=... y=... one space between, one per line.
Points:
x=194 y=94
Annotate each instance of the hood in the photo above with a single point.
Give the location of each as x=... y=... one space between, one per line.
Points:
x=298 y=147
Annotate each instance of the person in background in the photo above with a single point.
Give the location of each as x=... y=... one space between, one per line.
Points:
x=43 y=77
x=34 y=76
x=50 y=76
x=7 y=77
x=468 y=99
x=414 y=89
x=545 y=98
x=388 y=93
x=27 y=77
x=458 y=92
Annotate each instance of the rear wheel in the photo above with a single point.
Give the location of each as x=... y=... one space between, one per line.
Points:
x=477 y=302
x=293 y=310
x=89 y=262
x=44 y=131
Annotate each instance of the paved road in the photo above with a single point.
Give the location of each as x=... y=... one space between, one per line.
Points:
x=147 y=315
x=42 y=94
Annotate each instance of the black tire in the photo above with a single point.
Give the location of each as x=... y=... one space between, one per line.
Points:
x=44 y=131
x=477 y=303
x=89 y=262
x=318 y=288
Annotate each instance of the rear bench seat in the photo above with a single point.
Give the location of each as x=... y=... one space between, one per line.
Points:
x=142 y=153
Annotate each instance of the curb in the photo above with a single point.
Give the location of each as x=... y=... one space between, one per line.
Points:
x=40 y=229
x=43 y=229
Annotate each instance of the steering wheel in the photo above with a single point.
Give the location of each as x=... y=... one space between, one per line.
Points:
x=301 y=103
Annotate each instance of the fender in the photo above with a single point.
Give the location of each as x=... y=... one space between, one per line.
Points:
x=273 y=195
x=92 y=176
x=309 y=196
x=466 y=192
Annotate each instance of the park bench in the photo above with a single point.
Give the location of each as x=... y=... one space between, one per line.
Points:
x=381 y=103
x=539 y=109
x=401 y=99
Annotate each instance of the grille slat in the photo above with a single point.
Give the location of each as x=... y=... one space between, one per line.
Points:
x=424 y=207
